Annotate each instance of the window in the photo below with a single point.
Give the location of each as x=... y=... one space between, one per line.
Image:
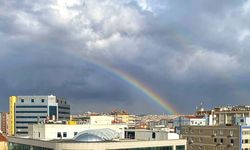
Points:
x=221 y=140
x=215 y=140
x=64 y=134
x=42 y=100
x=153 y=135
x=200 y=131
x=246 y=140
x=221 y=132
x=22 y=100
x=231 y=132
x=232 y=141
x=59 y=135
x=39 y=134
x=32 y=100
x=75 y=133
x=180 y=147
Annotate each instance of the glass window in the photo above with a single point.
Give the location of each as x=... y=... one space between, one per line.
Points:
x=22 y=100
x=42 y=100
x=52 y=112
x=157 y=148
x=232 y=141
x=64 y=134
x=153 y=135
x=59 y=134
x=221 y=140
x=32 y=100
x=180 y=147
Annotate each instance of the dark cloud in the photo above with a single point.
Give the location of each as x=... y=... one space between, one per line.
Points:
x=186 y=52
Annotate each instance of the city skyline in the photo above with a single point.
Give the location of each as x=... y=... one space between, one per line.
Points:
x=138 y=55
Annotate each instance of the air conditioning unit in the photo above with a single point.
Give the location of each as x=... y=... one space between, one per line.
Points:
x=230 y=145
x=219 y=144
x=191 y=142
x=214 y=134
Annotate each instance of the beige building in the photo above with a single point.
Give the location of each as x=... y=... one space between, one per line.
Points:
x=4 y=123
x=217 y=137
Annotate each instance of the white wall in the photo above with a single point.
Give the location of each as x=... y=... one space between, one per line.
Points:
x=49 y=131
x=101 y=119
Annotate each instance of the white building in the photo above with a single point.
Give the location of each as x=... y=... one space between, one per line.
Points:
x=190 y=120
x=63 y=131
x=101 y=119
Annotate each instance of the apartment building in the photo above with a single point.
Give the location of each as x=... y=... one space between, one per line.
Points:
x=217 y=137
x=225 y=114
x=4 y=119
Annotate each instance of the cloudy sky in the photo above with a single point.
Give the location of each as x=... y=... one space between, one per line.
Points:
x=186 y=51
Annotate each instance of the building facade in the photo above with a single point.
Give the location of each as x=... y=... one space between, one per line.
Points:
x=225 y=115
x=26 y=110
x=217 y=137
x=4 y=120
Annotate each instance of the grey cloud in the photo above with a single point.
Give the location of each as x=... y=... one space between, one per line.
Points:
x=186 y=51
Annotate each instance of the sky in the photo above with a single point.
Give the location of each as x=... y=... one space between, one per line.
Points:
x=187 y=52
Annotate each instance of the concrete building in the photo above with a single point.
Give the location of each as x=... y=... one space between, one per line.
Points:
x=4 y=120
x=242 y=121
x=224 y=115
x=190 y=120
x=121 y=116
x=142 y=134
x=217 y=137
x=26 y=110
x=18 y=143
x=63 y=131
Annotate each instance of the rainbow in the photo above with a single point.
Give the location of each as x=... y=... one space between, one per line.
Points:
x=170 y=109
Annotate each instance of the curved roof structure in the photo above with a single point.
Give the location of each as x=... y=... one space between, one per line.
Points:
x=96 y=135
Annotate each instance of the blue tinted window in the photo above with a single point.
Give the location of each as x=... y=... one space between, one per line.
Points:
x=31 y=111
x=31 y=106
x=52 y=111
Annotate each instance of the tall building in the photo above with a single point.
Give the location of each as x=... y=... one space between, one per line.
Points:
x=26 y=110
x=4 y=117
